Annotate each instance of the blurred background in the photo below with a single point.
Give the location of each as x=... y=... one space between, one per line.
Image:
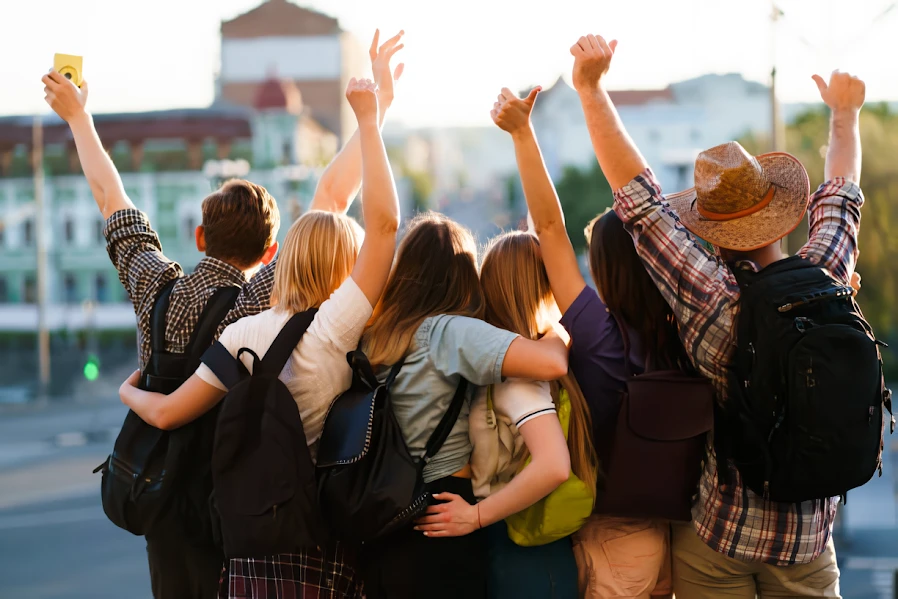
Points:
x=187 y=93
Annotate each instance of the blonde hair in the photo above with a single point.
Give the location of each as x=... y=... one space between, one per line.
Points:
x=435 y=273
x=519 y=299
x=317 y=255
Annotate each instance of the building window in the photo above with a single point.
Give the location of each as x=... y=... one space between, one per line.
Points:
x=190 y=228
x=98 y=232
x=4 y=292
x=2 y=233
x=654 y=136
x=29 y=293
x=102 y=290
x=28 y=233
x=69 y=231
x=70 y=289
x=287 y=153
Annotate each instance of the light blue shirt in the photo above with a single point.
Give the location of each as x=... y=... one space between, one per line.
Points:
x=445 y=350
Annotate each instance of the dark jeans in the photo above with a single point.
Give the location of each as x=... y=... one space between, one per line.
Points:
x=547 y=571
x=180 y=569
x=408 y=565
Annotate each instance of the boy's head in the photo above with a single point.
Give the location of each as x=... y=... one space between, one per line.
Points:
x=240 y=224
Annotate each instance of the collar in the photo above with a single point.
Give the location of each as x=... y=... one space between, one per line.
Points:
x=221 y=270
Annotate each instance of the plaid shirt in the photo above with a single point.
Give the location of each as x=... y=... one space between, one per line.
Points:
x=703 y=293
x=135 y=251
x=312 y=574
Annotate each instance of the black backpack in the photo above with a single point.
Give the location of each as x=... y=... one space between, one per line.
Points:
x=264 y=499
x=152 y=474
x=369 y=485
x=805 y=415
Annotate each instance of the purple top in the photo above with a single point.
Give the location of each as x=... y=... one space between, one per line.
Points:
x=597 y=362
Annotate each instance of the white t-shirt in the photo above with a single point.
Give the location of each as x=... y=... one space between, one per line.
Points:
x=317 y=371
x=499 y=449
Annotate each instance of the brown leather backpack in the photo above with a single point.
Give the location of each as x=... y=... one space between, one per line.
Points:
x=659 y=444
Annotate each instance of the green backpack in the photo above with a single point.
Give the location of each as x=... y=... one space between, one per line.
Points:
x=562 y=512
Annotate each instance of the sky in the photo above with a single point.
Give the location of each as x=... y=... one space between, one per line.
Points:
x=141 y=55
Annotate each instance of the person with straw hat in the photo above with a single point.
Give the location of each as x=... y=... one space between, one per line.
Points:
x=739 y=544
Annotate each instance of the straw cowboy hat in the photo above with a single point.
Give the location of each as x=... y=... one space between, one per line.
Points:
x=742 y=202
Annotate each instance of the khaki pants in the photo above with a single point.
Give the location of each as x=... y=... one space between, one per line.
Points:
x=700 y=572
x=623 y=558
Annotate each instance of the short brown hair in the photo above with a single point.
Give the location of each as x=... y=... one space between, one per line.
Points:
x=240 y=222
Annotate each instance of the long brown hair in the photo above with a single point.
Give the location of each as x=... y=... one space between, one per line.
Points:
x=630 y=294
x=435 y=273
x=519 y=299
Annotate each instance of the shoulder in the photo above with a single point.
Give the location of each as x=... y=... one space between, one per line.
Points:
x=522 y=399
x=253 y=332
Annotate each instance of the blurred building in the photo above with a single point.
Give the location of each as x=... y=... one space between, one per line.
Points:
x=277 y=119
x=670 y=126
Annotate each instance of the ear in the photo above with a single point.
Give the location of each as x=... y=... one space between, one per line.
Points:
x=270 y=253
x=200 y=239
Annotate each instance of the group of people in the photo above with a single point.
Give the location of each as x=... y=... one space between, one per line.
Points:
x=521 y=325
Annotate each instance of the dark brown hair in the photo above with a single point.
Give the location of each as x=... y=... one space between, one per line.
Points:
x=630 y=294
x=435 y=273
x=240 y=222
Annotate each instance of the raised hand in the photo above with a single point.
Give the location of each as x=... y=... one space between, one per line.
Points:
x=64 y=97
x=511 y=113
x=380 y=65
x=362 y=96
x=592 y=58
x=844 y=92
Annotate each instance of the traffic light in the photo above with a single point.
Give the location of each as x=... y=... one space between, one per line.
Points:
x=92 y=368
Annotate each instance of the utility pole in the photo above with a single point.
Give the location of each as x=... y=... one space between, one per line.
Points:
x=43 y=335
x=777 y=129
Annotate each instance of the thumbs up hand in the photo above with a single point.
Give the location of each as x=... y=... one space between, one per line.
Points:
x=511 y=113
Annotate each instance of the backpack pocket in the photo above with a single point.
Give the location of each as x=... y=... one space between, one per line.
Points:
x=827 y=437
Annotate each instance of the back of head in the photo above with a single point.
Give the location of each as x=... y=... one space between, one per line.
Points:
x=318 y=254
x=515 y=284
x=240 y=222
x=435 y=272
x=629 y=292
x=519 y=299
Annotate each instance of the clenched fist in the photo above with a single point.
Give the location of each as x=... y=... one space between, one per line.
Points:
x=592 y=58
x=362 y=96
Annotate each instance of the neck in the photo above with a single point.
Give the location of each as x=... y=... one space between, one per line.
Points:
x=763 y=257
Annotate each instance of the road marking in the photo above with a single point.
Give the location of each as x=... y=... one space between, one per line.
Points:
x=52 y=518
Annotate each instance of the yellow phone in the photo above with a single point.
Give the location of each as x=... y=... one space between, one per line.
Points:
x=68 y=66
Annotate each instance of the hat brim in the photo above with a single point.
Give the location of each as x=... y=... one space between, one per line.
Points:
x=770 y=224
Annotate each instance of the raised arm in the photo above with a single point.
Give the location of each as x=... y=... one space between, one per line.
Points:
x=342 y=178
x=845 y=96
x=167 y=412
x=380 y=204
x=550 y=466
x=69 y=102
x=546 y=218
x=542 y=360
x=617 y=154
x=835 y=208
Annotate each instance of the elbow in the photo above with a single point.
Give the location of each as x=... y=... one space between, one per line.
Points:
x=162 y=419
x=559 y=471
x=557 y=368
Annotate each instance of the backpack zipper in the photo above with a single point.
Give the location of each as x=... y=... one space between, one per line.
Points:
x=836 y=293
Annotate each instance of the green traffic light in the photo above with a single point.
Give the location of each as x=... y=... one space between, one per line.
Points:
x=92 y=369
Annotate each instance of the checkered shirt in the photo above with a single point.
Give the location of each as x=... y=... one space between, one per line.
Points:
x=313 y=574
x=143 y=269
x=703 y=293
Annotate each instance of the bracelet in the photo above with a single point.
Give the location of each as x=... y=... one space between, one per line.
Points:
x=479 y=525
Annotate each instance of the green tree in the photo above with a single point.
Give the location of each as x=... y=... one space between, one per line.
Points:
x=584 y=193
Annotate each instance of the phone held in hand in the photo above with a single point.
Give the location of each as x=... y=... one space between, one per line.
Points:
x=69 y=66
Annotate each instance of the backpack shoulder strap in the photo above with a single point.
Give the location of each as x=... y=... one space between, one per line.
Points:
x=286 y=341
x=226 y=367
x=216 y=309
x=441 y=432
x=157 y=318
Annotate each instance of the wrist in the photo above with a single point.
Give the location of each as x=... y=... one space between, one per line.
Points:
x=81 y=119
x=369 y=123
x=846 y=116
x=523 y=133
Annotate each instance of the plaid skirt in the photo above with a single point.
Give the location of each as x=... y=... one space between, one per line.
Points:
x=326 y=574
